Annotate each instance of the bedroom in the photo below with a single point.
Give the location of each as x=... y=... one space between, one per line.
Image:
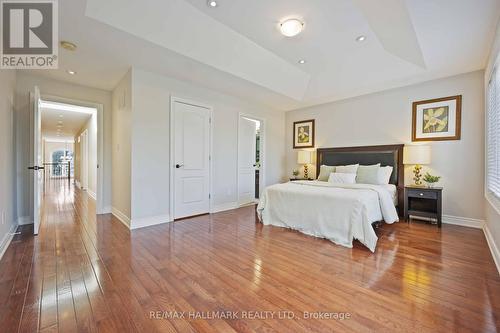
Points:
x=281 y=166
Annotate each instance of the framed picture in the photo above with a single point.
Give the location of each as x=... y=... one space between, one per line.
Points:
x=303 y=134
x=437 y=119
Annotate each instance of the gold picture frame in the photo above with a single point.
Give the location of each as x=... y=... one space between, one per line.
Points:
x=437 y=119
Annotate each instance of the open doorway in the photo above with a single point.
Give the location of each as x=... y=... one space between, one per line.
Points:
x=250 y=159
x=69 y=146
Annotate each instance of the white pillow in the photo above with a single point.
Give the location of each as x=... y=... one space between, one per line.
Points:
x=342 y=178
x=384 y=175
x=353 y=168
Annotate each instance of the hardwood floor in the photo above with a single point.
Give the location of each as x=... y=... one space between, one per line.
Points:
x=81 y=274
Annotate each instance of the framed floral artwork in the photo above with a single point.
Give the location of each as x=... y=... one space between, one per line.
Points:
x=437 y=119
x=303 y=134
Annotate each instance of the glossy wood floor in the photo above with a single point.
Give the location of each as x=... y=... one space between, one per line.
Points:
x=83 y=275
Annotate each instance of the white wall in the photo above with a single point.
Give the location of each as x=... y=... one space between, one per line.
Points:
x=121 y=137
x=385 y=118
x=151 y=141
x=492 y=228
x=25 y=83
x=91 y=127
x=7 y=162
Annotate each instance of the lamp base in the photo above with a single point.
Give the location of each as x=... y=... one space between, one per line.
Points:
x=306 y=176
x=417 y=178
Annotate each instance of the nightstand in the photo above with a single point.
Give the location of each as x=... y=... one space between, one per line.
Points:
x=424 y=202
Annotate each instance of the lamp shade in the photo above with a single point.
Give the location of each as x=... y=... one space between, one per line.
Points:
x=417 y=155
x=304 y=157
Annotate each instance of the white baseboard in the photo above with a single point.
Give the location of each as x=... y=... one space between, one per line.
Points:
x=223 y=207
x=121 y=217
x=5 y=242
x=463 y=221
x=92 y=194
x=23 y=220
x=495 y=252
x=106 y=210
x=149 y=221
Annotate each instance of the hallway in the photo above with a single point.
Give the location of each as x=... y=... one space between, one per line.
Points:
x=84 y=275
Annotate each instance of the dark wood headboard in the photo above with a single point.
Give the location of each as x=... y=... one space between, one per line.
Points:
x=387 y=155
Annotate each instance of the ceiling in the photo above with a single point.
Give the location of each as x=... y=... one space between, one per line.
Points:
x=70 y=122
x=236 y=48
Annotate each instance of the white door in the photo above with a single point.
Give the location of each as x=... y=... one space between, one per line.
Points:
x=84 y=160
x=191 y=160
x=246 y=160
x=37 y=167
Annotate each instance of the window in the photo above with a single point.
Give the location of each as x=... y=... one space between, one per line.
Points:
x=493 y=135
x=61 y=159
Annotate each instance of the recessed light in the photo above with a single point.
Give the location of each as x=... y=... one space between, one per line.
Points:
x=70 y=72
x=302 y=61
x=360 y=38
x=68 y=45
x=291 y=27
x=212 y=3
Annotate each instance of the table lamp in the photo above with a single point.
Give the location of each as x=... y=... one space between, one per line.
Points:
x=304 y=157
x=417 y=155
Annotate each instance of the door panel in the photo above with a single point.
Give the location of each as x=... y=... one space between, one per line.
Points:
x=37 y=159
x=191 y=160
x=246 y=160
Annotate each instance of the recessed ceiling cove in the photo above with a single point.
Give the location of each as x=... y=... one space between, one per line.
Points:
x=391 y=23
x=178 y=26
x=237 y=47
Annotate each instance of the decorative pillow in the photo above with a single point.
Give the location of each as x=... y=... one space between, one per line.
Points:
x=347 y=168
x=342 y=178
x=368 y=174
x=324 y=172
x=384 y=175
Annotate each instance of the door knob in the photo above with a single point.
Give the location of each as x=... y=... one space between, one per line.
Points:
x=179 y=165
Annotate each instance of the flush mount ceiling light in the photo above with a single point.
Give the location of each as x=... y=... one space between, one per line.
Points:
x=70 y=72
x=68 y=45
x=302 y=61
x=212 y=3
x=360 y=38
x=291 y=27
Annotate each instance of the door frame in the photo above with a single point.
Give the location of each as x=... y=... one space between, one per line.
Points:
x=84 y=167
x=262 y=172
x=209 y=108
x=100 y=209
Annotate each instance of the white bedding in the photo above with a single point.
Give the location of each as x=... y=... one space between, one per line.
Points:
x=338 y=212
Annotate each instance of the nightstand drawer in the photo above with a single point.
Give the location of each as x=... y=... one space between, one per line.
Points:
x=415 y=193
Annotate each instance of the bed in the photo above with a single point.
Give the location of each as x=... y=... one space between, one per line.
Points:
x=339 y=212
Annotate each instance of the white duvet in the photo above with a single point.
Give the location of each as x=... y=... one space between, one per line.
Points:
x=338 y=212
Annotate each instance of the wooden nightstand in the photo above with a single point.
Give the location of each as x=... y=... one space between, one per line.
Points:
x=423 y=202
